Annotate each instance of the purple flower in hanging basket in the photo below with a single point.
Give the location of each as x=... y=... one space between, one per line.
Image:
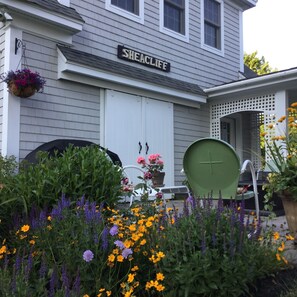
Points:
x=20 y=80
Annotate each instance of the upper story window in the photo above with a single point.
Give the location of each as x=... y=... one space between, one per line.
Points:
x=131 y=9
x=174 y=15
x=174 y=18
x=212 y=25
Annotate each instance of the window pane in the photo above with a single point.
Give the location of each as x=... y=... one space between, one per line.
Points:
x=210 y=37
x=212 y=11
x=129 y=5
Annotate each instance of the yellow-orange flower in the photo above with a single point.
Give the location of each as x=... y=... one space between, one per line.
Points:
x=3 y=249
x=280 y=120
x=111 y=258
x=143 y=242
x=282 y=247
x=289 y=237
x=294 y=104
x=131 y=277
x=25 y=228
x=275 y=235
x=278 y=257
x=120 y=258
x=132 y=227
x=160 y=276
x=135 y=268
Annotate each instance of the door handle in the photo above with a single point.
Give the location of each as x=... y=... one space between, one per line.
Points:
x=140 y=147
x=146 y=148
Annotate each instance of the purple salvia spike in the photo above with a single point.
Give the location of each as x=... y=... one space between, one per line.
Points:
x=76 y=284
x=104 y=238
x=43 y=267
x=65 y=281
x=53 y=283
x=29 y=265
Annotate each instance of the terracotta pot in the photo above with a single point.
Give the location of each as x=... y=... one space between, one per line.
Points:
x=22 y=93
x=158 y=179
x=290 y=207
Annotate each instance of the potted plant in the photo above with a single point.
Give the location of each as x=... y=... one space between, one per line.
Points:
x=23 y=83
x=282 y=153
x=153 y=168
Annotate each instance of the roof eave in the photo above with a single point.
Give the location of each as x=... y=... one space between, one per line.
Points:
x=72 y=25
x=66 y=70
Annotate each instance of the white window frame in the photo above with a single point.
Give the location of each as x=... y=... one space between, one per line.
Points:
x=203 y=44
x=127 y=14
x=174 y=34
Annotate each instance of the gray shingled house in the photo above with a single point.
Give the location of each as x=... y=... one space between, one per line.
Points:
x=136 y=77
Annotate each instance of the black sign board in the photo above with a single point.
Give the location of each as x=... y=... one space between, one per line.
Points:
x=141 y=58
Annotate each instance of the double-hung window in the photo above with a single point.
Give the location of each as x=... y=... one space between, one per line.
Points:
x=132 y=9
x=213 y=23
x=174 y=18
x=174 y=15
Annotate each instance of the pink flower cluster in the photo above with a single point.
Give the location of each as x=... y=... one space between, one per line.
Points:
x=154 y=164
x=24 y=78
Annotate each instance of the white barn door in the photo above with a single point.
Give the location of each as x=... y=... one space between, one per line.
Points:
x=137 y=126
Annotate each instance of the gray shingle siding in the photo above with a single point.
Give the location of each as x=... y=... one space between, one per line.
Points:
x=104 y=30
x=190 y=124
x=64 y=110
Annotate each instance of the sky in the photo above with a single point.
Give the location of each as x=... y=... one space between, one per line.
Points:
x=271 y=29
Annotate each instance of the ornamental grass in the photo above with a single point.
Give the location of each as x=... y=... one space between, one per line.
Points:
x=85 y=249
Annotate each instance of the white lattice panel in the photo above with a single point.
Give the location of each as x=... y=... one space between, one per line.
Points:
x=264 y=107
x=264 y=103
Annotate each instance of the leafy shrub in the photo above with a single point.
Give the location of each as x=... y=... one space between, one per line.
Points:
x=78 y=171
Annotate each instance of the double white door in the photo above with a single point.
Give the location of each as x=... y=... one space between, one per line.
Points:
x=139 y=126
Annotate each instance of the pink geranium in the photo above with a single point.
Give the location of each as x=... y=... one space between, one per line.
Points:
x=153 y=165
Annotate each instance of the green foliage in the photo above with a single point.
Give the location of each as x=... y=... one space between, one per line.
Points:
x=211 y=252
x=78 y=171
x=258 y=65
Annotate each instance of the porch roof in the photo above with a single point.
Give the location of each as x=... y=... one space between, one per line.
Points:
x=275 y=81
x=105 y=65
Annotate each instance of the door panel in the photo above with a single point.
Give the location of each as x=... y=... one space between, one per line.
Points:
x=134 y=122
x=159 y=133
x=123 y=130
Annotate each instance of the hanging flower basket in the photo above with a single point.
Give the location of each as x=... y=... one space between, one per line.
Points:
x=23 y=83
x=21 y=92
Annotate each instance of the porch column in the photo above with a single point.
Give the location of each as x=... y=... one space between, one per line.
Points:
x=281 y=105
x=11 y=104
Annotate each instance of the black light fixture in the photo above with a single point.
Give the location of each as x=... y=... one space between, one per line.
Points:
x=18 y=44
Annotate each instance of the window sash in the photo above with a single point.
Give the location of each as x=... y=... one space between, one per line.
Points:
x=174 y=15
x=129 y=5
x=212 y=23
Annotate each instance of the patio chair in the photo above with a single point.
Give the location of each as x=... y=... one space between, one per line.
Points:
x=213 y=169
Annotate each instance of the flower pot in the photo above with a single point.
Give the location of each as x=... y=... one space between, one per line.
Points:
x=158 y=179
x=22 y=93
x=290 y=207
